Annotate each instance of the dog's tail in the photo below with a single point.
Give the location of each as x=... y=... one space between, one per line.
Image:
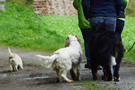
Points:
x=130 y=48
x=47 y=61
x=10 y=51
x=113 y=61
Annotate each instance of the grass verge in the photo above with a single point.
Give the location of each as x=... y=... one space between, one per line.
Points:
x=96 y=85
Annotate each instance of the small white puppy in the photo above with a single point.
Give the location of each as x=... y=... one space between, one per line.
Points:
x=65 y=59
x=15 y=61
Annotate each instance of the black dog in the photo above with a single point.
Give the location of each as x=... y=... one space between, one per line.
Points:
x=106 y=49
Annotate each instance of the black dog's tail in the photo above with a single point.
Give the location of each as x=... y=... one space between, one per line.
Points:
x=130 y=48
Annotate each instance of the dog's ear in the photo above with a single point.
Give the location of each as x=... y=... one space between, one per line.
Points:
x=67 y=42
x=78 y=39
x=10 y=57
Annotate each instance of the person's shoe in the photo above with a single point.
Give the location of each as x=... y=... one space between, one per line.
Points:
x=87 y=66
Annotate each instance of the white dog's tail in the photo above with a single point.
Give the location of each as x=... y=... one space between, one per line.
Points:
x=47 y=61
x=113 y=60
x=10 y=51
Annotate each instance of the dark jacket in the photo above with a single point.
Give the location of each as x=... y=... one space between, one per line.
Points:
x=121 y=15
x=86 y=8
x=105 y=8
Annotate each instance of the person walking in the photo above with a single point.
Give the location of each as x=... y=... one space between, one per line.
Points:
x=82 y=6
x=120 y=22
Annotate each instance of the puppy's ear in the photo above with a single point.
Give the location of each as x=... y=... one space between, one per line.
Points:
x=10 y=57
x=67 y=42
x=78 y=39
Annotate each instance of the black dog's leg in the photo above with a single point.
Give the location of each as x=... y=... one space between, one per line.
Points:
x=116 y=72
x=108 y=73
x=105 y=76
x=117 y=67
x=94 y=69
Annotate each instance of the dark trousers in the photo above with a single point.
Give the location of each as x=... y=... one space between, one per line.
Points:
x=85 y=34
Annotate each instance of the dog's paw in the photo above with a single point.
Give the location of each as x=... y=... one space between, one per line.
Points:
x=57 y=80
x=116 y=79
x=109 y=79
x=94 y=77
x=15 y=70
x=78 y=78
x=69 y=81
x=104 y=77
x=10 y=70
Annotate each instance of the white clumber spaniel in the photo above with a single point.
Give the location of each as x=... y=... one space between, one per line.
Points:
x=15 y=61
x=65 y=59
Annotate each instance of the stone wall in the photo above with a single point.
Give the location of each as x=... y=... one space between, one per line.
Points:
x=2 y=6
x=58 y=7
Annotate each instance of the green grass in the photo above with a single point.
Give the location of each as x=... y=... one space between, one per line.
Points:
x=96 y=85
x=20 y=27
x=128 y=38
